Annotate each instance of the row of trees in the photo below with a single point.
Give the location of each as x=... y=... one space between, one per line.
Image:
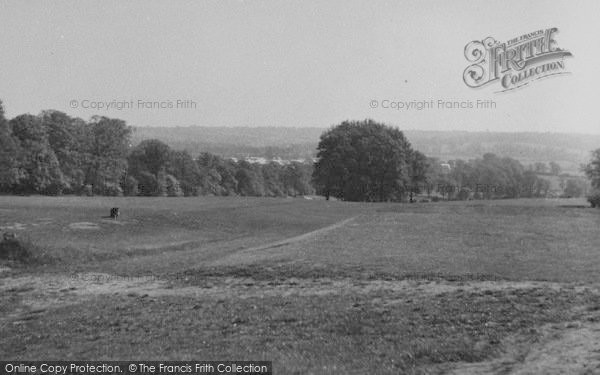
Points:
x=368 y=161
x=552 y=168
x=53 y=153
x=489 y=177
x=157 y=170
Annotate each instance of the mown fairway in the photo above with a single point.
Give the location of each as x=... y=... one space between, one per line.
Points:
x=316 y=287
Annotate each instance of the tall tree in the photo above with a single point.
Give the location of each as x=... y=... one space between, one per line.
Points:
x=541 y=168
x=555 y=168
x=39 y=170
x=9 y=154
x=109 y=142
x=418 y=172
x=592 y=170
x=64 y=139
x=250 y=180
x=148 y=163
x=151 y=156
x=296 y=179
x=183 y=167
x=362 y=161
x=273 y=179
x=574 y=188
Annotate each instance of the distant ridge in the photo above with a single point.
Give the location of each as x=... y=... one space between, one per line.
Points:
x=569 y=150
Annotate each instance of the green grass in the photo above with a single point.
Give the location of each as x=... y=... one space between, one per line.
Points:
x=379 y=332
x=399 y=288
x=491 y=240
x=206 y=227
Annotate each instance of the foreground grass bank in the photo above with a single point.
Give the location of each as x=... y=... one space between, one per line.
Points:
x=315 y=286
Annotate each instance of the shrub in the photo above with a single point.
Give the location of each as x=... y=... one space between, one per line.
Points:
x=464 y=194
x=16 y=249
x=88 y=190
x=172 y=186
x=130 y=186
x=148 y=185
x=112 y=189
x=594 y=198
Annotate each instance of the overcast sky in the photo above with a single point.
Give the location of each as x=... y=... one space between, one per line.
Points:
x=292 y=63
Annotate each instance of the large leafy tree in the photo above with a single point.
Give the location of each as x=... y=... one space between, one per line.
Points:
x=419 y=166
x=297 y=178
x=250 y=180
x=148 y=162
x=108 y=144
x=150 y=155
x=272 y=175
x=362 y=161
x=9 y=153
x=211 y=180
x=185 y=169
x=592 y=170
x=67 y=140
x=39 y=170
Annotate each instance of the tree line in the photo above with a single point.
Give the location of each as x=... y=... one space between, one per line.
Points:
x=53 y=153
x=369 y=161
x=570 y=150
x=489 y=177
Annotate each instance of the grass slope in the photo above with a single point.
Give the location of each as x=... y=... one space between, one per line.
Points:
x=317 y=287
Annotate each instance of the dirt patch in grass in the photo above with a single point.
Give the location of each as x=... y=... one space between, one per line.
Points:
x=15 y=226
x=84 y=225
x=569 y=348
x=118 y=222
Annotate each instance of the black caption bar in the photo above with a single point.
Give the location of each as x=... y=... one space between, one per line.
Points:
x=136 y=367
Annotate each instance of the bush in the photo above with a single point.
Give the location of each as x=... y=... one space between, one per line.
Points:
x=464 y=194
x=16 y=249
x=130 y=186
x=112 y=189
x=148 y=185
x=594 y=198
x=88 y=190
x=172 y=186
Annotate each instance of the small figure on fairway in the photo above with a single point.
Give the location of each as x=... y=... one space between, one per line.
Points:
x=114 y=213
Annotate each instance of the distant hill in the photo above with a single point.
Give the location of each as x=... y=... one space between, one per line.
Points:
x=568 y=150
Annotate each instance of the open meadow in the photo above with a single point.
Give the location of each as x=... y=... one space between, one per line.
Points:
x=317 y=287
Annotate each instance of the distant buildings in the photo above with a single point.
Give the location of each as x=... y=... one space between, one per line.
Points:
x=277 y=160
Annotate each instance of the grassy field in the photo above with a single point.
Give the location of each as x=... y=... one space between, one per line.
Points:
x=315 y=286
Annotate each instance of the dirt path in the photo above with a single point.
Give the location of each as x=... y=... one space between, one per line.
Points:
x=269 y=251
x=571 y=348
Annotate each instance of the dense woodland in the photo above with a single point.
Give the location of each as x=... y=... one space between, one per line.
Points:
x=53 y=153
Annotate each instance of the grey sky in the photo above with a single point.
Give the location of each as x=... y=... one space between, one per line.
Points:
x=291 y=63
